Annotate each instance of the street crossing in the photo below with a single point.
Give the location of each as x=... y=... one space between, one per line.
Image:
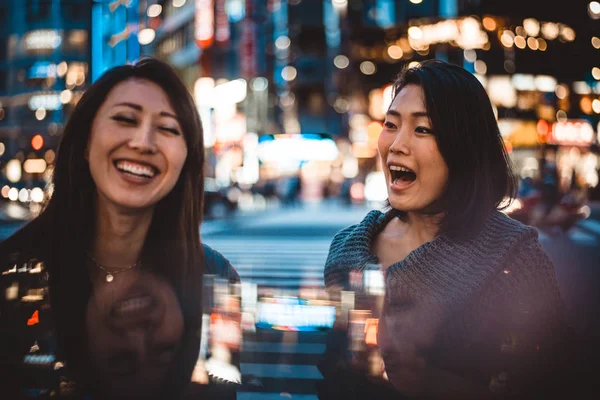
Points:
x=268 y=261
x=278 y=364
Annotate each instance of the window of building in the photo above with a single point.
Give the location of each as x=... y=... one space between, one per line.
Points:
x=76 y=11
x=37 y=10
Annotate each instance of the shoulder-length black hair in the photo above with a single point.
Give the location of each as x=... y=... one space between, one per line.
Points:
x=63 y=231
x=480 y=174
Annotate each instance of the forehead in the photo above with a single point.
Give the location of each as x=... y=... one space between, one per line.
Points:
x=140 y=91
x=410 y=96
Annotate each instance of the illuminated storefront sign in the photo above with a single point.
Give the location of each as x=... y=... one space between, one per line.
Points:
x=42 y=70
x=572 y=133
x=248 y=44
x=297 y=148
x=49 y=101
x=204 y=23
x=519 y=133
x=466 y=33
x=42 y=39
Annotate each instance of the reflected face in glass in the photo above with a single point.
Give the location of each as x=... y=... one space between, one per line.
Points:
x=134 y=327
x=415 y=171
x=136 y=149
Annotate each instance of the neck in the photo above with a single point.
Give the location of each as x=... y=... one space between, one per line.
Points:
x=423 y=226
x=119 y=235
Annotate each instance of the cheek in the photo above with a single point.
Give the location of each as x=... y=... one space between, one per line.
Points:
x=382 y=144
x=438 y=164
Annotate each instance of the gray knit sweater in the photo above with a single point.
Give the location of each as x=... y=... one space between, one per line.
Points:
x=487 y=309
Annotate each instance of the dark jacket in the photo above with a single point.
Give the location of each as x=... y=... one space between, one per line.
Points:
x=29 y=364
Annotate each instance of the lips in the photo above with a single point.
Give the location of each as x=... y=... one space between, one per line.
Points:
x=401 y=175
x=138 y=169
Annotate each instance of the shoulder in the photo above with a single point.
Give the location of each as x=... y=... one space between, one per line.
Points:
x=360 y=230
x=217 y=264
x=349 y=246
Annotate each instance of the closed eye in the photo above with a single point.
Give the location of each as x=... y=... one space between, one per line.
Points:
x=171 y=130
x=422 y=129
x=125 y=120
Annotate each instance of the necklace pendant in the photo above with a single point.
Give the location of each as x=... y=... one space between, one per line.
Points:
x=109 y=278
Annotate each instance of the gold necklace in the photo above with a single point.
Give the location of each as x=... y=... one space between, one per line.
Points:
x=110 y=275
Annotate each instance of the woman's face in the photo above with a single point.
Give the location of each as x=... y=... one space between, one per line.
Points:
x=415 y=171
x=136 y=149
x=134 y=327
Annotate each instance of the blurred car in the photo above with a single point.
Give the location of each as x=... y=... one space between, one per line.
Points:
x=218 y=203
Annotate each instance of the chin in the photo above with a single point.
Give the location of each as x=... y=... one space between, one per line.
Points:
x=137 y=201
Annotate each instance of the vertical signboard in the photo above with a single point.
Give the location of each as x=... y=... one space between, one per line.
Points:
x=204 y=21
x=222 y=32
x=248 y=43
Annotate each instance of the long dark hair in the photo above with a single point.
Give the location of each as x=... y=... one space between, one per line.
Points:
x=468 y=137
x=63 y=231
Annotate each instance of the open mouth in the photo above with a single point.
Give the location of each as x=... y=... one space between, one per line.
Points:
x=401 y=174
x=135 y=169
x=132 y=306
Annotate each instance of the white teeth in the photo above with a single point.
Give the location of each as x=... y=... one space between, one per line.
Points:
x=134 y=304
x=135 y=169
x=399 y=168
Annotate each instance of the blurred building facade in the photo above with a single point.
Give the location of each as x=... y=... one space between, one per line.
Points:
x=288 y=67
x=265 y=71
x=44 y=65
x=119 y=34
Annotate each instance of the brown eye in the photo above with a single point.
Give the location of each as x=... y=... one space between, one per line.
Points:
x=422 y=129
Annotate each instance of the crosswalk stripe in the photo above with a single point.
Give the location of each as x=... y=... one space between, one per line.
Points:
x=241 y=266
x=282 y=274
x=286 y=283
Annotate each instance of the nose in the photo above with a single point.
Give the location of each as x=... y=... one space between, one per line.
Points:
x=143 y=139
x=401 y=143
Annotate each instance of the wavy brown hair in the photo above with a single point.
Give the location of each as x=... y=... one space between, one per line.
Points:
x=63 y=231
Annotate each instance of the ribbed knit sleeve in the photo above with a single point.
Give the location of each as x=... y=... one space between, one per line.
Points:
x=349 y=250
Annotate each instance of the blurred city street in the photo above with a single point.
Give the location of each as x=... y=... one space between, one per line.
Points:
x=293 y=96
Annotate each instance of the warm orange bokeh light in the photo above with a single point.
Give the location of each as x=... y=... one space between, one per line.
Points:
x=371 y=328
x=37 y=142
x=35 y=318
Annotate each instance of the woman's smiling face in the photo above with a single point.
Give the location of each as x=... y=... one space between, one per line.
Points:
x=136 y=150
x=416 y=173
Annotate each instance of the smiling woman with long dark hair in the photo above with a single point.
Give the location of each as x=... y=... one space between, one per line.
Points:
x=472 y=307
x=117 y=245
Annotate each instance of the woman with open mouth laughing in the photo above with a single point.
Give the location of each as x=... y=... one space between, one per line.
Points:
x=116 y=259
x=472 y=308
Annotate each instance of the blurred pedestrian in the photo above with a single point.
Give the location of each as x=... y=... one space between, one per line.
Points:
x=472 y=308
x=549 y=182
x=114 y=264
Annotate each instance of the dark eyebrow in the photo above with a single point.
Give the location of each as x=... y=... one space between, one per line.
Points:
x=140 y=108
x=417 y=114
x=130 y=105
